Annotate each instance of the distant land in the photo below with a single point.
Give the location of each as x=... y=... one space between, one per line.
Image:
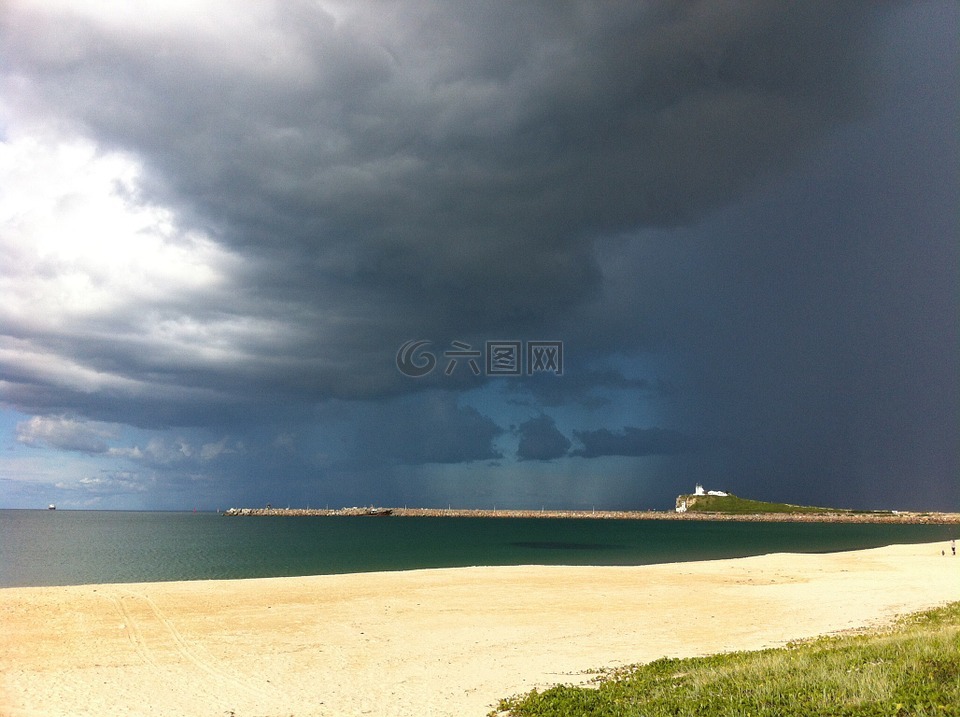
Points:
x=720 y=502
x=764 y=512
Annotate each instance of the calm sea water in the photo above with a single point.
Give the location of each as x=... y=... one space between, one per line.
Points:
x=80 y=547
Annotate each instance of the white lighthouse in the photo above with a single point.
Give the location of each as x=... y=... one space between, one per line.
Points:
x=700 y=491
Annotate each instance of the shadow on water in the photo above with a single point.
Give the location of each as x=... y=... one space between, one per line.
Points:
x=560 y=545
x=76 y=547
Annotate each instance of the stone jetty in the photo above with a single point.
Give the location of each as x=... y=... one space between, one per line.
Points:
x=918 y=518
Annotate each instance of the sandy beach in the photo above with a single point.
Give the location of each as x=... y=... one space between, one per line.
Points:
x=428 y=642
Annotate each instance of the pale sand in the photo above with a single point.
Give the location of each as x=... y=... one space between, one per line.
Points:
x=427 y=642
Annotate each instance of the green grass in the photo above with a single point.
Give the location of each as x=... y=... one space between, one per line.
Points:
x=735 y=504
x=913 y=668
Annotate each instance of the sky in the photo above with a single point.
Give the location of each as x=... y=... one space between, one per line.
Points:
x=537 y=254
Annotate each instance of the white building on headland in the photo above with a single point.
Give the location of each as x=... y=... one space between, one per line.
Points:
x=682 y=505
x=700 y=491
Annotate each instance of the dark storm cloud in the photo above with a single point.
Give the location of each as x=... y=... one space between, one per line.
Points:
x=633 y=441
x=424 y=429
x=588 y=387
x=541 y=440
x=816 y=323
x=431 y=169
x=739 y=217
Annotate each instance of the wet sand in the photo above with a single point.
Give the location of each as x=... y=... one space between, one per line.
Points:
x=425 y=642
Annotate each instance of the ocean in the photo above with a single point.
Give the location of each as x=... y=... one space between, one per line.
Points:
x=39 y=547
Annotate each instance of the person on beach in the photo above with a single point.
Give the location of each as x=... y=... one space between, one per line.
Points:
x=953 y=547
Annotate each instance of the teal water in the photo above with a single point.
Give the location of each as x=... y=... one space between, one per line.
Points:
x=82 y=547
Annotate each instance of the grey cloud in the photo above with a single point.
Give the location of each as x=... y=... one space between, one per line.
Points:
x=757 y=195
x=541 y=440
x=436 y=167
x=591 y=388
x=632 y=441
x=427 y=429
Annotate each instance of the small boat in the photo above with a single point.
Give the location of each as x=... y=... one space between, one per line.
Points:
x=51 y=507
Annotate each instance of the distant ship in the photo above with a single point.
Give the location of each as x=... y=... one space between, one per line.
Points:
x=51 y=507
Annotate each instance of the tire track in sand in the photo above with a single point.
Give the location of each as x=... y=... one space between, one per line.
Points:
x=134 y=634
x=180 y=646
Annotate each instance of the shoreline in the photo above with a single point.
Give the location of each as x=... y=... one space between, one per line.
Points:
x=896 y=517
x=433 y=642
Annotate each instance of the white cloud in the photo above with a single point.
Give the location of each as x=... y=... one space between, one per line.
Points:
x=163 y=452
x=78 y=242
x=65 y=434
x=209 y=451
x=134 y=452
x=109 y=483
x=157 y=450
x=284 y=441
x=85 y=258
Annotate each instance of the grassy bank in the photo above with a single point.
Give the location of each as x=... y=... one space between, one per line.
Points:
x=745 y=506
x=912 y=668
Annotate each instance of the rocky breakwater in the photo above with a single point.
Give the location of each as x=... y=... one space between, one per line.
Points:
x=932 y=518
x=371 y=511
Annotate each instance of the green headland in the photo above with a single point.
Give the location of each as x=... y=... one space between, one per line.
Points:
x=744 y=506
